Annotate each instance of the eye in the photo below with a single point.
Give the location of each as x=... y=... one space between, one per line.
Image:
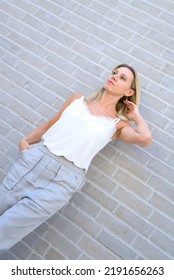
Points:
x=114 y=72
x=123 y=78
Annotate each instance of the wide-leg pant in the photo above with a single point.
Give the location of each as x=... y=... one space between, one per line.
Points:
x=37 y=186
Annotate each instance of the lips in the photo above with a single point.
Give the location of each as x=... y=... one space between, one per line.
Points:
x=110 y=82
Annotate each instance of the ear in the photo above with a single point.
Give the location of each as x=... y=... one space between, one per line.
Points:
x=130 y=92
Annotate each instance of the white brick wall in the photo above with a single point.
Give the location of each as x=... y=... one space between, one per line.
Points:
x=50 y=48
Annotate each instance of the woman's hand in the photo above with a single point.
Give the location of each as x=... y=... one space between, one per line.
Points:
x=132 y=110
x=23 y=145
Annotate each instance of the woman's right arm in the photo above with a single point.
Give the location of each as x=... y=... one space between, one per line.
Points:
x=36 y=134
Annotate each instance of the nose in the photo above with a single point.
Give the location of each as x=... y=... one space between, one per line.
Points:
x=114 y=77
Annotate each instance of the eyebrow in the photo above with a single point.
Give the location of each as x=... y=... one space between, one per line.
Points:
x=120 y=73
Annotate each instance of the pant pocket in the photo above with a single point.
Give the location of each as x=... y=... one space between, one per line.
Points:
x=25 y=162
x=59 y=190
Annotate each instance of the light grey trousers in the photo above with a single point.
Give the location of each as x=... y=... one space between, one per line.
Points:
x=37 y=186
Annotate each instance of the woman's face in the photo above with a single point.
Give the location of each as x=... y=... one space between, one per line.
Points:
x=120 y=81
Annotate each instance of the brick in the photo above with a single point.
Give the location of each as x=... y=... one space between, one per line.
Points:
x=103 y=183
x=164 y=28
x=5 y=98
x=41 y=92
x=88 y=66
x=167 y=17
x=147 y=99
x=35 y=23
x=131 y=12
x=161 y=92
x=53 y=254
x=82 y=220
x=141 y=172
x=66 y=4
x=166 y=5
x=161 y=39
x=102 y=9
x=86 y=78
x=163 y=242
x=62 y=244
x=11 y=10
x=58 y=75
x=168 y=83
x=34 y=257
x=162 y=222
x=132 y=184
x=24 y=111
x=90 y=15
x=9 y=46
x=74 y=19
x=149 y=59
x=10 y=60
x=104 y=165
x=50 y=6
x=53 y=86
x=61 y=63
x=34 y=35
x=114 y=225
x=32 y=59
x=144 y=43
x=30 y=72
x=148 y=250
x=115 y=245
x=65 y=226
x=157 y=150
x=122 y=32
x=163 y=205
x=99 y=197
x=21 y=40
x=11 y=118
x=168 y=55
x=95 y=250
x=136 y=222
x=147 y=8
x=40 y=51
x=86 y=51
x=168 y=113
x=60 y=50
x=154 y=117
x=25 y=97
x=8 y=256
x=170 y=128
x=60 y=37
x=34 y=241
x=85 y=204
x=20 y=250
x=47 y=18
x=42 y=229
x=131 y=201
x=25 y=6
x=135 y=152
x=161 y=169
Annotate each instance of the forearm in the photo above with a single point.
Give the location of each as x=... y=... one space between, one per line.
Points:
x=142 y=127
x=36 y=134
x=33 y=137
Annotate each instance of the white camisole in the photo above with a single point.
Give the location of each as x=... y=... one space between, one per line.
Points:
x=79 y=135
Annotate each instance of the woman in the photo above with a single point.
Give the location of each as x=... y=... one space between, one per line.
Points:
x=54 y=158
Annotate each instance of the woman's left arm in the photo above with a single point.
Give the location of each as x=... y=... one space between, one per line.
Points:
x=140 y=134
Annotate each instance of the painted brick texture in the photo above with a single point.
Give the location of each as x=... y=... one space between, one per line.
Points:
x=51 y=48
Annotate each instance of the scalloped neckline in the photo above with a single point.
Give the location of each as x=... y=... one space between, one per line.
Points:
x=97 y=116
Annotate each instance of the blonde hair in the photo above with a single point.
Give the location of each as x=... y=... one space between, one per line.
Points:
x=120 y=106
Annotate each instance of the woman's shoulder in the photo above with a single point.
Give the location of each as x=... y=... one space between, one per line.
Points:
x=75 y=95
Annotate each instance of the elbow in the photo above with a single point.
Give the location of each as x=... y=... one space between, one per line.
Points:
x=146 y=141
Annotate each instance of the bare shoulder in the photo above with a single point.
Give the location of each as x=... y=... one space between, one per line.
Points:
x=75 y=95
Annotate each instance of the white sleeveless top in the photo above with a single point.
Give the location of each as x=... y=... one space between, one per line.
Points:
x=79 y=135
